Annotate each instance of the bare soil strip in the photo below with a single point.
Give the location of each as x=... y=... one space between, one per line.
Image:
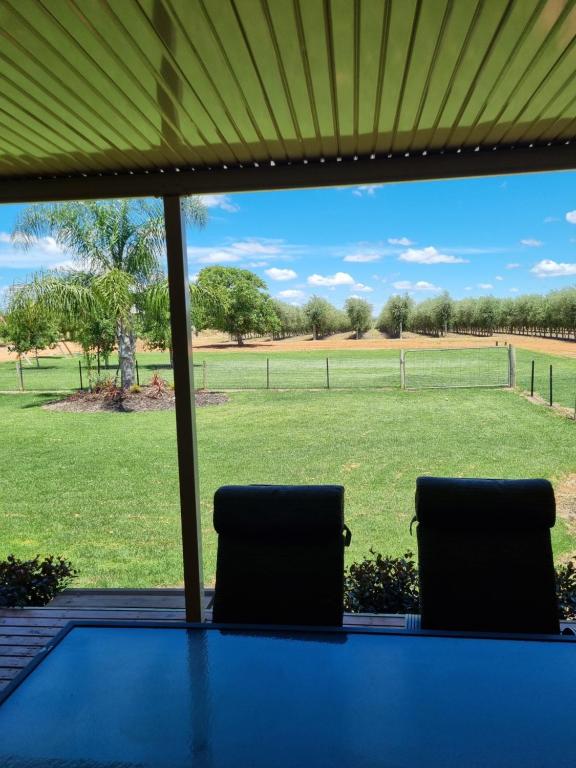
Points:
x=210 y=340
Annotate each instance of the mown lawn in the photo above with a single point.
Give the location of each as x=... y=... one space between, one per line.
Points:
x=101 y=489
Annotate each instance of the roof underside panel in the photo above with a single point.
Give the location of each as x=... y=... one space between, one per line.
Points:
x=101 y=86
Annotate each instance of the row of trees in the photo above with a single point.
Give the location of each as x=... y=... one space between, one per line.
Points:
x=117 y=290
x=553 y=314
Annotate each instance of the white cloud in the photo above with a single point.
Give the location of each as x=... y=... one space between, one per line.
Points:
x=513 y=265
x=238 y=251
x=550 y=268
x=485 y=286
x=291 y=294
x=498 y=277
x=429 y=255
x=474 y=251
x=362 y=258
x=218 y=257
x=400 y=241
x=468 y=288
x=363 y=288
x=365 y=189
x=513 y=290
x=340 y=278
x=281 y=274
x=531 y=242
x=255 y=264
x=421 y=285
x=571 y=217
x=45 y=252
x=220 y=201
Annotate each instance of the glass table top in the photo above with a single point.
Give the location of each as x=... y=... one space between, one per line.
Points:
x=172 y=697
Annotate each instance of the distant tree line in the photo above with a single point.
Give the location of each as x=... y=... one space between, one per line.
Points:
x=552 y=315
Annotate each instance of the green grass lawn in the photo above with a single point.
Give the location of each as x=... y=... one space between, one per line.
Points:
x=101 y=489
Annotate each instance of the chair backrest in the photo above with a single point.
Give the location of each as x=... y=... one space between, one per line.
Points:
x=280 y=555
x=485 y=555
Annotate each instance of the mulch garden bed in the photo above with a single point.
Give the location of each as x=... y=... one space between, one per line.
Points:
x=147 y=399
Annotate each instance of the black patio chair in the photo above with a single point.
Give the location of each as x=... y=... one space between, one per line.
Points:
x=280 y=555
x=485 y=555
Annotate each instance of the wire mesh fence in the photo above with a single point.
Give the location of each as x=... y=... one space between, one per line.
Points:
x=413 y=369
x=442 y=368
x=302 y=373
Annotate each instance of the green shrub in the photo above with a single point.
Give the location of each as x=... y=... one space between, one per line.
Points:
x=33 y=582
x=566 y=590
x=382 y=585
x=390 y=585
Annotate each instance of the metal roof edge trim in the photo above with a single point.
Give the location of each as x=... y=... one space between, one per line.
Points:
x=296 y=175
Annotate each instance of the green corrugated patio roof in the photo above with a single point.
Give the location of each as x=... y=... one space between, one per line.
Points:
x=216 y=94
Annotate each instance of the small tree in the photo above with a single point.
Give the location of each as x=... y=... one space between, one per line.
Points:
x=395 y=315
x=360 y=314
x=319 y=315
x=245 y=306
x=27 y=326
x=443 y=309
x=292 y=319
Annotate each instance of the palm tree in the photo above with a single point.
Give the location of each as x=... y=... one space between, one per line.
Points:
x=117 y=248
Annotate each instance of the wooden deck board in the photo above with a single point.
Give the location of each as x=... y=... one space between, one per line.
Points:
x=24 y=632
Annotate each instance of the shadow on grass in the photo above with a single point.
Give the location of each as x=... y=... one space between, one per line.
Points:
x=45 y=398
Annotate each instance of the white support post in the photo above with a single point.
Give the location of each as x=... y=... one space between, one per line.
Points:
x=179 y=291
x=402 y=370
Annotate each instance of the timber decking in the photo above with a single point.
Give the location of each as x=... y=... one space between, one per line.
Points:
x=24 y=632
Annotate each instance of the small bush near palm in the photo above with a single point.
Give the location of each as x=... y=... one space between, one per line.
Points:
x=158 y=386
x=381 y=584
x=33 y=582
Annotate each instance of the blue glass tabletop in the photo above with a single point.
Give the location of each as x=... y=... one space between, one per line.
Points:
x=174 y=697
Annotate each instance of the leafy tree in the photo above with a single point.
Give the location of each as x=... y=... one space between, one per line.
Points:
x=118 y=247
x=359 y=313
x=319 y=315
x=245 y=305
x=443 y=307
x=292 y=319
x=395 y=315
x=26 y=326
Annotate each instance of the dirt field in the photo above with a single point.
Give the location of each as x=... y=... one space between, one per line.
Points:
x=373 y=340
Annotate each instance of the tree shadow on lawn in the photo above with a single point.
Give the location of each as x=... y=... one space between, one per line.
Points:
x=44 y=398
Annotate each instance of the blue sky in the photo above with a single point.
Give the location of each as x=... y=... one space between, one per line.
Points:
x=500 y=236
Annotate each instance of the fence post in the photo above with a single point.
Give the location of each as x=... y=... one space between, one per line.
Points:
x=204 y=375
x=327 y=374
x=80 y=371
x=137 y=372
x=402 y=370
x=551 y=400
x=267 y=373
x=511 y=366
x=532 y=380
x=20 y=373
